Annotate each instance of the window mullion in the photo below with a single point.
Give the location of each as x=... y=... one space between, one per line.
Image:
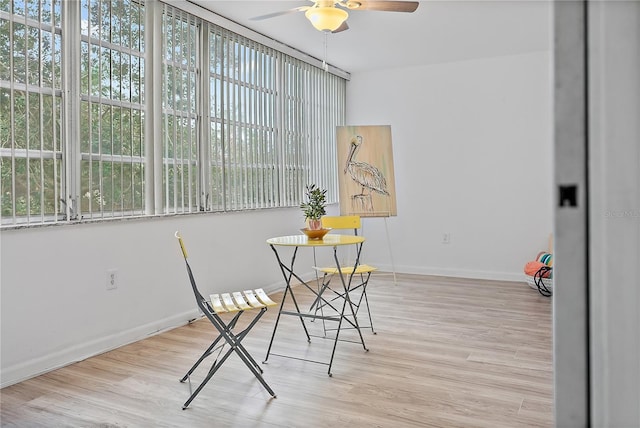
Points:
x=12 y=130
x=263 y=129
x=224 y=149
x=280 y=126
x=27 y=113
x=230 y=181
x=153 y=171
x=248 y=187
x=204 y=122
x=255 y=130
x=237 y=185
x=71 y=107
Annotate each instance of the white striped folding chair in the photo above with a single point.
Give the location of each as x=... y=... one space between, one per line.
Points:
x=236 y=302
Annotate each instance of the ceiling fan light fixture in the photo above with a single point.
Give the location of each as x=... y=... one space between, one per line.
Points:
x=326 y=18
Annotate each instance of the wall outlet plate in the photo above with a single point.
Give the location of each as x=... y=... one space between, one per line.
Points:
x=112 y=279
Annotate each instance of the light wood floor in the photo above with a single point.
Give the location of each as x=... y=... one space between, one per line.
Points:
x=448 y=353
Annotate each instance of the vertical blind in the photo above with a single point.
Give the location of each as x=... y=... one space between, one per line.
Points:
x=243 y=132
x=180 y=178
x=241 y=125
x=270 y=120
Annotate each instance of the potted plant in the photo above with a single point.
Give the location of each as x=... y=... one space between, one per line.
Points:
x=314 y=208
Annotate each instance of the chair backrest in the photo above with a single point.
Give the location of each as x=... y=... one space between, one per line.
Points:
x=342 y=222
x=200 y=300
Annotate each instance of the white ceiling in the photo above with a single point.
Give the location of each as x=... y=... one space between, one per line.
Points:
x=439 y=31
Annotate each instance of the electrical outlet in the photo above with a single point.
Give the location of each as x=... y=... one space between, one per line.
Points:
x=446 y=238
x=112 y=279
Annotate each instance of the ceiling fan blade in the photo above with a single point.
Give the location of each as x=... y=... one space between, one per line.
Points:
x=386 y=6
x=343 y=27
x=282 y=12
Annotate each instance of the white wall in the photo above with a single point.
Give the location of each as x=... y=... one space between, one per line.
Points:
x=614 y=235
x=55 y=305
x=472 y=153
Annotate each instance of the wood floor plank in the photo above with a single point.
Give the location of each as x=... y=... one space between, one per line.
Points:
x=448 y=352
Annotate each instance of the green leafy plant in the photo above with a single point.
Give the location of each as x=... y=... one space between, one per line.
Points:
x=314 y=208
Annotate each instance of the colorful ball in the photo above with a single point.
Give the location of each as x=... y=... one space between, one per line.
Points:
x=545 y=258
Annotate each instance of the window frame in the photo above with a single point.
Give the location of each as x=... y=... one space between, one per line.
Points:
x=33 y=85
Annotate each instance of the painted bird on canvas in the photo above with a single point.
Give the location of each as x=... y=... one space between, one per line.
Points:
x=366 y=175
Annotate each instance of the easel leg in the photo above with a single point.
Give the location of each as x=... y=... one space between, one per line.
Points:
x=393 y=266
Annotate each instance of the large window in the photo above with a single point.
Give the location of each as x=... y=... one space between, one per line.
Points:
x=180 y=71
x=244 y=154
x=30 y=111
x=114 y=108
x=111 y=109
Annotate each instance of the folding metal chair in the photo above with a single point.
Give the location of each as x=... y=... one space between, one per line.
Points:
x=362 y=270
x=237 y=302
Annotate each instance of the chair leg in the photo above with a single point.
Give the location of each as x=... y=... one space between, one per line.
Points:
x=364 y=282
x=206 y=353
x=244 y=355
x=318 y=303
x=234 y=342
x=214 y=368
x=209 y=350
x=366 y=301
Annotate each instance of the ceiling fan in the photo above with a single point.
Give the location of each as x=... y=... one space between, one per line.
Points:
x=331 y=16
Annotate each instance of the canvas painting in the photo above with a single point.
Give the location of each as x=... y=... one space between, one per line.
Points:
x=365 y=171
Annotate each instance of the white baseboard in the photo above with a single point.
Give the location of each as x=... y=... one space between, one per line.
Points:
x=455 y=273
x=423 y=270
x=37 y=366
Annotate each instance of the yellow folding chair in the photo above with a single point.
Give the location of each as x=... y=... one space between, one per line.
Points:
x=352 y=222
x=236 y=302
